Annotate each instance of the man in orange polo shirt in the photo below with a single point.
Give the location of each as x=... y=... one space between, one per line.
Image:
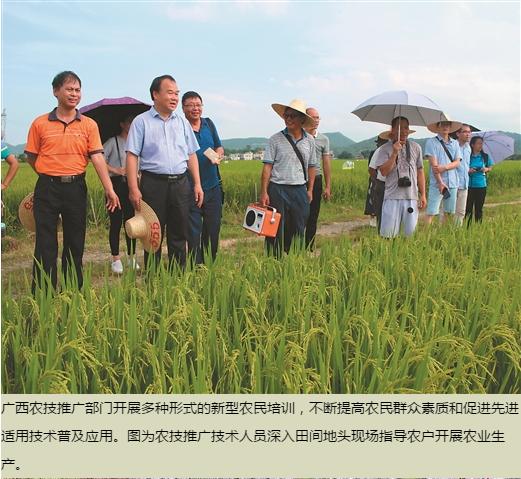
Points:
x=58 y=147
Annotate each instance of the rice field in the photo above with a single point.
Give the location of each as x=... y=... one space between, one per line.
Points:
x=241 y=182
x=438 y=313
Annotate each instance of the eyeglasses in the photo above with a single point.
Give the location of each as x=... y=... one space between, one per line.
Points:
x=292 y=115
x=193 y=105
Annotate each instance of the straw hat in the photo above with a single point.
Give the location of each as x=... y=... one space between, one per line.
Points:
x=145 y=226
x=454 y=126
x=387 y=135
x=25 y=213
x=297 y=105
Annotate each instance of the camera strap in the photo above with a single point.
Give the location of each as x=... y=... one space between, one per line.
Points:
x=407 y=158
x=445 y=148
x=298 y=153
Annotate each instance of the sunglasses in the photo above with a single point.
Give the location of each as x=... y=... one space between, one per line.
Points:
x=292 y=115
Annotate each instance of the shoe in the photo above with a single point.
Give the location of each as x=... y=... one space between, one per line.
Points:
x=133 y=264
x=117 y=267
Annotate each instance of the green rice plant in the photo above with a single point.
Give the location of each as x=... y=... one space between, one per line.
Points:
x=436 y=313
x=241 y=181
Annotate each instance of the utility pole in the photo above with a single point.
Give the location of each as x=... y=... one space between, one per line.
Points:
x=4 y=121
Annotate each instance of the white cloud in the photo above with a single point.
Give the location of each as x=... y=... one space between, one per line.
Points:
x=266 y=7
x=474 y=89
x=195 y=12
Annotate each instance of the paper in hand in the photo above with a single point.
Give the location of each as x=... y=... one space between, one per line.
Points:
x=212 y=156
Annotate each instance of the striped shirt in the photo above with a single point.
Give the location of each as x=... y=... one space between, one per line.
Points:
x=287 y=169
x=322 y=148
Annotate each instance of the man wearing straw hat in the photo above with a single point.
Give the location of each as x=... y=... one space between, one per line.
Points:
x=444 y=155
x=166 y=145
x=58 y=147
x=400 y=161
x=288 y=175
x=322 y=153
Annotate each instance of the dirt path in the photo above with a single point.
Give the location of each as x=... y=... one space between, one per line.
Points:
x=10 y=264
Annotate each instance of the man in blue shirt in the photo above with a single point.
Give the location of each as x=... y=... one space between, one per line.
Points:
x=463 y=137
x=165 y=145
x=444 y=156
x=205 y=222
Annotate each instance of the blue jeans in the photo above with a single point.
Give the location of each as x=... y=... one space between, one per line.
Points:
x=205 y=225
x=291 y=201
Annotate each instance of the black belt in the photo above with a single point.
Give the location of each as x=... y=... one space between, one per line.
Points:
x=65 y=178
x=169 y=178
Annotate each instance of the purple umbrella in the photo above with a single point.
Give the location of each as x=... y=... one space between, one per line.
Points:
x=108 y=113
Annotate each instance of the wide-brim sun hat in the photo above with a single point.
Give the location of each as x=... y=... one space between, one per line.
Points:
x=26 y=214
x=454 y=126
x=297 y=105
x=387 y=135
x=145 y=226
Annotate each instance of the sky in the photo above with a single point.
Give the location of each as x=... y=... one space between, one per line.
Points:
x=243 y=56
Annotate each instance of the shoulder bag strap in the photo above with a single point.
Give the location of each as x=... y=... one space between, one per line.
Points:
x=215 y=138
x=299 y=155
x=445 y=148
x=117 y=148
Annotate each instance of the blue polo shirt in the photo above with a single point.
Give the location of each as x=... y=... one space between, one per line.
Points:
x=163 y=146
x=433 y=148
x=463 y=168
x=207 y=138
x=479 y=179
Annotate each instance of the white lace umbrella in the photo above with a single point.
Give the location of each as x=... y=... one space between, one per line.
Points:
x=496 y=144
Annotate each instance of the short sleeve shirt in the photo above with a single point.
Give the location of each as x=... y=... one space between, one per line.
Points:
x=63 y=148
x=478 y=179
x=162 y=145
x=287 y=169
x=403 y=167
x=115 y=154
x=463 y=168
x=321 y=149
x=372 y=164
x=207 y=137
x=434 y=148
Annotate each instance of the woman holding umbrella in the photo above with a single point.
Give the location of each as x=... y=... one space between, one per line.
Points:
x=480 y=165
x=115 y=156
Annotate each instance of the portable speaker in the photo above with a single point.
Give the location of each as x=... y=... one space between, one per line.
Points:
x=263 y=220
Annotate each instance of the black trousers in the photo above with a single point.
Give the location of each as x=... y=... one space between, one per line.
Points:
x=205 y=225
x=377 y=192
x=475 y=202
x=291 y=201
x=314 y=210
x=119 y=215
x=171 y=201
x=52 y=198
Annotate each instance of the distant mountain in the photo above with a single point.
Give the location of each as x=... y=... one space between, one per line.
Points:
x=369 y=144
x=338 y=143
x=16 y=149
x=252 y=143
